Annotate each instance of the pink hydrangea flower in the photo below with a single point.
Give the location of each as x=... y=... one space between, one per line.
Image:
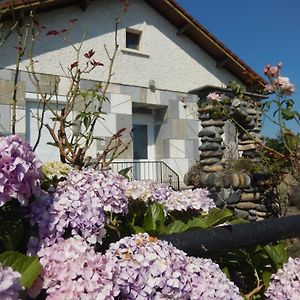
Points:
x=147 y=191
x=72 y=270
x=20 y=170
x=285 y=284
x=79 y=205
x=197 y=199
x=144 y=267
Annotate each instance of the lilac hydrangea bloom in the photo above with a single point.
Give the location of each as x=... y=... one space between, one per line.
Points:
x=285 y=284
x=209 y=282
x=148 y=191
x=20 y=170
x=9 y=283
x=148 y=268
x=79 y=204
x=197 y=199
x=72 y=270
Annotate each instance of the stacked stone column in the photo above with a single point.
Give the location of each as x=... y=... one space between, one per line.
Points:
x=211 y=149
x=247 y=141
x=248 y=195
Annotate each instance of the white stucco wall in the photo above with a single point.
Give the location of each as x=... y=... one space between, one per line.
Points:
x=173 y=62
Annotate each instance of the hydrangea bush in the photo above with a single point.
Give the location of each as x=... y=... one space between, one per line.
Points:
x=9 y=283
x=147 y=268
x=148 y=191
x=20 y=170
x=79 y=204
x=285 y=284
x=136 y=267
x=73 y=270
x=73 y=216
x=197 y=199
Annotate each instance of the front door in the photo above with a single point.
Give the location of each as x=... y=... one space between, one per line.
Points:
x=143 y=146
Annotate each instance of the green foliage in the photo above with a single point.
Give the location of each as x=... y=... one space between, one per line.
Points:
x=246 y=165
x=11 y=227
x=125 y=172
x=28 y=267
x=265 y=165
x=154 y=220
x=176 y=226
x=252 y=268
x=218 y=216
x=236 y=88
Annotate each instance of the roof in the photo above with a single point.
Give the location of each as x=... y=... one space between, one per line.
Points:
x=182 y=20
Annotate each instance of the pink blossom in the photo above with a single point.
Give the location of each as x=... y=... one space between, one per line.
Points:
x=285 y=86
x=269 y=88
x=72 y=270
x=272 y=71
x=214 y=96
x=285 y=283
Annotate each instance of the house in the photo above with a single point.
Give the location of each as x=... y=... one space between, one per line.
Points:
x=163 y=54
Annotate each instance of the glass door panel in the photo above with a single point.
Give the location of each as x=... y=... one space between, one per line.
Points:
x=140 y=141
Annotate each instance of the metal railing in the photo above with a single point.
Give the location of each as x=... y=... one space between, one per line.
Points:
x=157 y=171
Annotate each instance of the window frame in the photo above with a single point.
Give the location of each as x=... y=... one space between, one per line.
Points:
x=134 y=33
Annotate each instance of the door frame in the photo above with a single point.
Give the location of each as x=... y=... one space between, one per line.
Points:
x=146 y=119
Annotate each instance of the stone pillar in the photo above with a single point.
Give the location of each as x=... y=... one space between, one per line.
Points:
x=211 y=149
x=251 y=116
x=250 y=196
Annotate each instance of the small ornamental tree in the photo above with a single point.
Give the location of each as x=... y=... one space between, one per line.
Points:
x=72 y=131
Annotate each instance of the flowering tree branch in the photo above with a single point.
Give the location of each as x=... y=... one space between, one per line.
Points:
x=75 y=134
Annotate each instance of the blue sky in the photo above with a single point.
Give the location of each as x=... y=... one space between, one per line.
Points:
x=259 y=32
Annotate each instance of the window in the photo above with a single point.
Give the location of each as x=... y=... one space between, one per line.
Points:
x=133 y=38
x=140 y=141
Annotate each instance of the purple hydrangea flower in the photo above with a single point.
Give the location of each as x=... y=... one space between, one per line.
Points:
x=79 y=204
x=72 y=270
x=285 y=284
x=209 y=282
x=147 y=268
x=9 y=283
x=197 y=199
x=148 y=191
x=20 y=170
